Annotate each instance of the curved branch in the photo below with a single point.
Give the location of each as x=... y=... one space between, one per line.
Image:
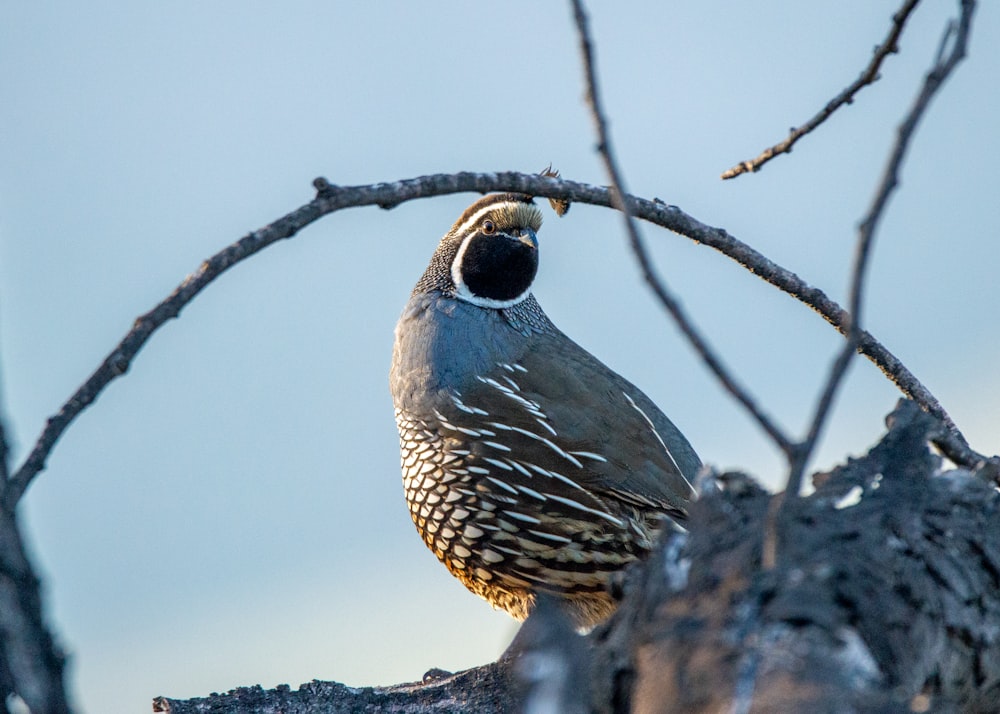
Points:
x=332 y=198
x=869 y=76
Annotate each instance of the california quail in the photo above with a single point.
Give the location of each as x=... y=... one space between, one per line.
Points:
x=529 y=466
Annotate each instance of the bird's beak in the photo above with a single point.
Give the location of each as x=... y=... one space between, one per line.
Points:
x=528 y=237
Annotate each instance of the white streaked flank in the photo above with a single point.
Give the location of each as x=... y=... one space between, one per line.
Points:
x=551 y=536
x=457 y=400
x=549 y=427
x=554 y=474
x=589 y=455
x=555 y=447
x=586 y=509
x=523 y=518
x=532 y=407
x=502 y=484
x=495 y=384
x=498 y=463
x=531 y=492
x=519 y=467
x=659 y=438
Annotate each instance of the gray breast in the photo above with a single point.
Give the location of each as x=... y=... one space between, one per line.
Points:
x=442 y=344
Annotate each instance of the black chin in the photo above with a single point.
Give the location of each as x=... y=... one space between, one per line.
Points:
x=497 y=267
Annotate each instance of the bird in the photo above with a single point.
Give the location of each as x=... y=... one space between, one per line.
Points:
x=529 y=467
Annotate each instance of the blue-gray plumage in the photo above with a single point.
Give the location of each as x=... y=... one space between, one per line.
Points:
x=528 y=465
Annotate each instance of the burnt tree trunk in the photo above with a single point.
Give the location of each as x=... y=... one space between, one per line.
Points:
x=885 y=597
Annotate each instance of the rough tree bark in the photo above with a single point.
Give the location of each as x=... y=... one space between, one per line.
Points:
x=885 y=597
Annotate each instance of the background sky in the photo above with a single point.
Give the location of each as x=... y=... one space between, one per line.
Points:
x=231 y=512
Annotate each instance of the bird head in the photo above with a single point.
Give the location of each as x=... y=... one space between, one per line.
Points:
x=490 y=256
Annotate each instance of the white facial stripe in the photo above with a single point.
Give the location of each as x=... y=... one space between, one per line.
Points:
x=462 y=290
x=478 y=215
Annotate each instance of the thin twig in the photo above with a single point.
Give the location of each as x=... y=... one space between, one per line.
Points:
x=935 y=78
x=869 y=76
x=332 y=198
x=606 y=151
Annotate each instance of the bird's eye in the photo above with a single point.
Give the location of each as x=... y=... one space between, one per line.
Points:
x=489 y=228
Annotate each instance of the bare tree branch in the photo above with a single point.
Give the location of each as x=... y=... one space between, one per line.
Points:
x=4 y=453
x=888 y=604
x=869 y=76
x=943 y=67
x=781 y=509
x=26 y=645
x=6 y=683
x=30 y=664
x=332 y=198
x=667 y=299
x=33 y=664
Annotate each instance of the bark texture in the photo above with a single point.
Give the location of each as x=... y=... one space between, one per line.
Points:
x=885 y=597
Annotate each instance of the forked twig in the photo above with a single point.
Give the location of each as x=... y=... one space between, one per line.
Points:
x=869 y=76
x=957 y=33
x=667 y=299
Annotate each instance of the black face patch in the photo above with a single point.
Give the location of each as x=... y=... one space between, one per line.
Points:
x=498 y=267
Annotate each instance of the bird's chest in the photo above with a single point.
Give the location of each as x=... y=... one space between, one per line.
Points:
x=442 y=346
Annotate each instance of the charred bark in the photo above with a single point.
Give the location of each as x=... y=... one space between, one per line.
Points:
x=885 y=596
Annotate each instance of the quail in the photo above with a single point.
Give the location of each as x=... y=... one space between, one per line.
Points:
x=529 y=466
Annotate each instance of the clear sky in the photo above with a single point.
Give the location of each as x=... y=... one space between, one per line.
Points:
x=231 y=512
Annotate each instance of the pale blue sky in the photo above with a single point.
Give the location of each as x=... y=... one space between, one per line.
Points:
x=231 y=512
